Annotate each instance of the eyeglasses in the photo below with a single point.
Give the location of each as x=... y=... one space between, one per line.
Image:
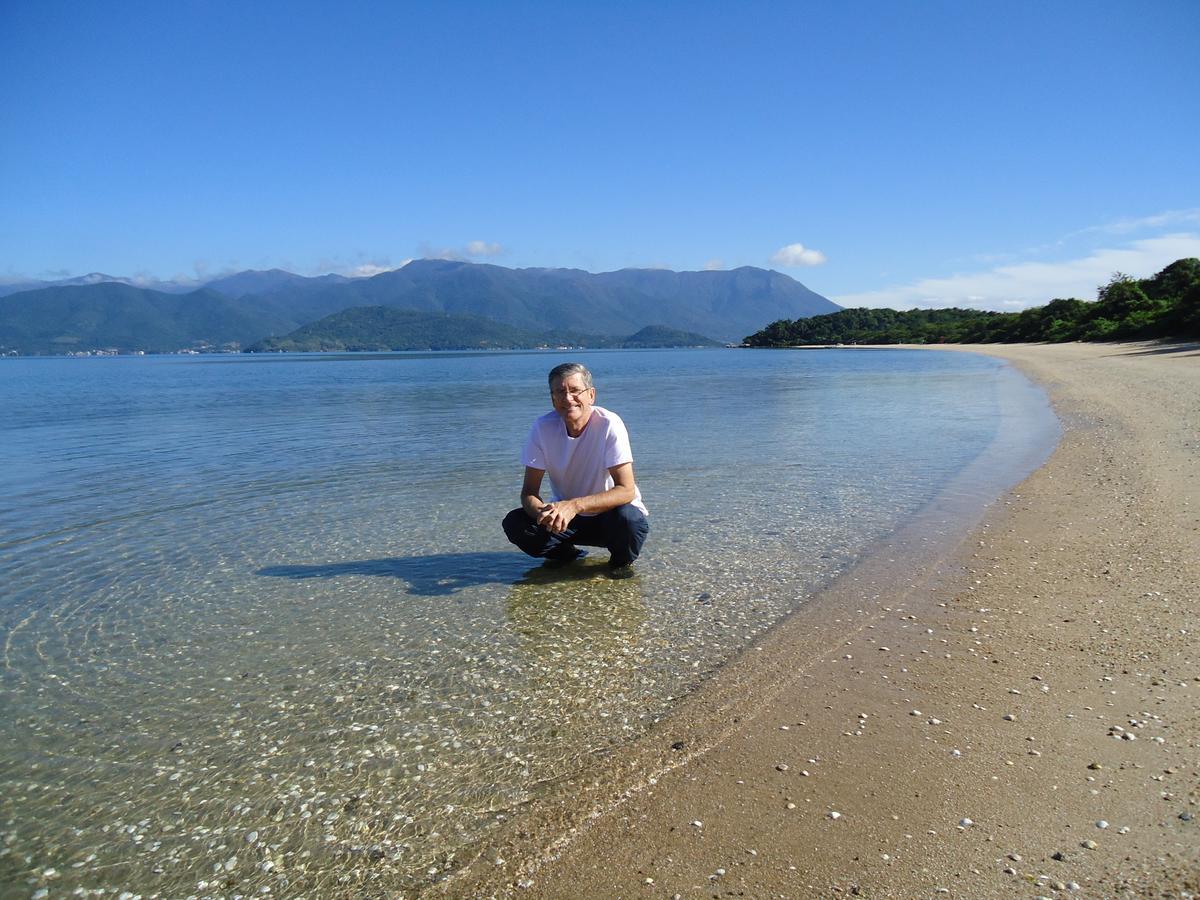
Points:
x=560 y=394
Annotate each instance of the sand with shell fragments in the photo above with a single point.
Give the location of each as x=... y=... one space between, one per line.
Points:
x=1019 y=719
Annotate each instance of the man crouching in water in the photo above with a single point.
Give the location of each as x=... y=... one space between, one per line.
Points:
x=585 y=450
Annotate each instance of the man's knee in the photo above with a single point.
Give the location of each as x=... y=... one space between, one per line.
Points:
x=630 y=518
x=531 y=537
x=517 y=525
x=627 y=529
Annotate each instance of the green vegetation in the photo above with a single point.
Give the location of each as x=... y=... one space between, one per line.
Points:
x=1165 y=306
x=112 y=315
x=381 y=328
x=662 y=336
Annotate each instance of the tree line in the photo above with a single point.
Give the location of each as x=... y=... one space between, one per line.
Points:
x=1164 y=306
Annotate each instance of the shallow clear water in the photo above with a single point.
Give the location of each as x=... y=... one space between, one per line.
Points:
x=261 y=628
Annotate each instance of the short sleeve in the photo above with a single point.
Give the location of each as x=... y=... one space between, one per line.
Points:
x=533 y=455
x=617 y=451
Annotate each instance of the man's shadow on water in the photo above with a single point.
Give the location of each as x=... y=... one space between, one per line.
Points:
x=439 y=574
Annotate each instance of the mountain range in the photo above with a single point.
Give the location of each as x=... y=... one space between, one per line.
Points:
x=249 y=306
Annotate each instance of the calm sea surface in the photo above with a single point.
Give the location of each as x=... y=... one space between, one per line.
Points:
x=261 y=628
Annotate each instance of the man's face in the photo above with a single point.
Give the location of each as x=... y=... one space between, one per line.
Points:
x=573 y=401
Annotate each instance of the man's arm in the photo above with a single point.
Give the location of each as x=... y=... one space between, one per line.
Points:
x=531 y=487
x=555 y=517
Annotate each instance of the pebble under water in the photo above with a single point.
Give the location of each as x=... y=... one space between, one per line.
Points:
x=262 y=633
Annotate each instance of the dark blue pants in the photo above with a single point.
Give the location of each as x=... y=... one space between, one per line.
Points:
x=622 y=531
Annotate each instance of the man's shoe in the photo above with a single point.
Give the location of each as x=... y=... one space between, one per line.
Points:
x=564 y=554
x=621 y=572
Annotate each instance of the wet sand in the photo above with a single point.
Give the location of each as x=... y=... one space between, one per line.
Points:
x=1016 y=715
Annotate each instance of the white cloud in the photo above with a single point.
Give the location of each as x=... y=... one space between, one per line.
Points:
x=472 y=250
x=366 y=270
x=1168 y=219
x=361 y=266
x=1152 y=225
x=714 y=265
x=1021 y=285
x=794 y=255
x=483 y=248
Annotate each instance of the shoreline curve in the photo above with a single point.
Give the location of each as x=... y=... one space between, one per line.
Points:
x=948 y=708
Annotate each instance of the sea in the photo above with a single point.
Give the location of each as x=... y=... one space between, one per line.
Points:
x=262 y=632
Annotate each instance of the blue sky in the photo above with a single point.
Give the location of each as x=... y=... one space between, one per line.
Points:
x=900 y=153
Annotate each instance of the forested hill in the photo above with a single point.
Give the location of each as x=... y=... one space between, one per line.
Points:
x=381 y=328
x=1164 y=306
x=77 y=318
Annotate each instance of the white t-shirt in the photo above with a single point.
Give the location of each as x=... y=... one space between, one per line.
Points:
x=579 y=466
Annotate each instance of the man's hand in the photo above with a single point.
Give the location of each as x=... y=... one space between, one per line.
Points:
x=555 y=517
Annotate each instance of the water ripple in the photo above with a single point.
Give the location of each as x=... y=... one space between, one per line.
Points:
x=261 y=630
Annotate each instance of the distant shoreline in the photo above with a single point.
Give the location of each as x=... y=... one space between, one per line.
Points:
x=270 y=353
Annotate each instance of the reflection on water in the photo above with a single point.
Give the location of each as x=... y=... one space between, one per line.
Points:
x=260 y=628
x=581 y=633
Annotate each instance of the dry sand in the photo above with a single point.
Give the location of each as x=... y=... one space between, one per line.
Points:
x=1020 y=718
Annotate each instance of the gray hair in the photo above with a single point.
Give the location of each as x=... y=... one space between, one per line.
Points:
x=561 y=373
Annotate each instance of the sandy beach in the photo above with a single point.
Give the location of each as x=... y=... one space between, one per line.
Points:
x=1016 y=715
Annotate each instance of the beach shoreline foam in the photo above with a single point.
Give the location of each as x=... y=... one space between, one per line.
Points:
x=962 y=713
